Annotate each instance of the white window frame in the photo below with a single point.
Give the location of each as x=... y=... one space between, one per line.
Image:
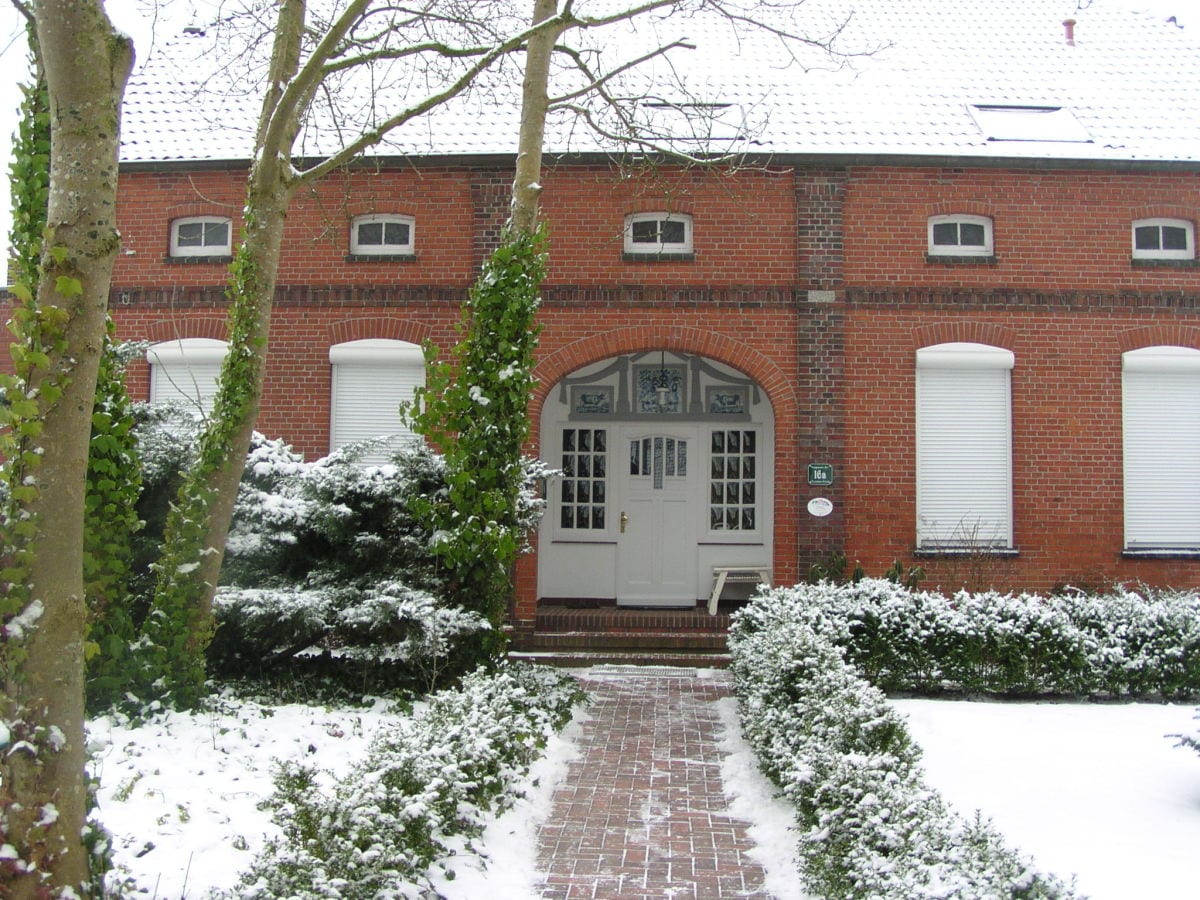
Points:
x=378 y=361
x=964 y=448
x=225 y=249
x=385 y=249
x=185 y=370
x=1160 y=421
x=959 y=249
x=659 y=247
x=1189 y=228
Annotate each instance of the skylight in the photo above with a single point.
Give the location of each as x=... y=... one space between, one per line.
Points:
x=1029 y=123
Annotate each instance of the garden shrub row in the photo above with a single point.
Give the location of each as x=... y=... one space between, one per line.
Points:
x=870 y=825
x=425 y=787
x=1121 y=644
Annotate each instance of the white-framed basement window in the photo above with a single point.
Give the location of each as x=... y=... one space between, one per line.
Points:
x=1161 y=434
x=382 y=235
x=1163 y=239
x=658 y=233
x=186 y=371
x=960 y=235
x=964 y=447
x=371 y=378
x=202 y=236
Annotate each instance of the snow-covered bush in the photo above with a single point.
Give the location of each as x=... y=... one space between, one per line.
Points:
x=871 y=826
x=426 y=787
x=357 y=628
x=1123 y=643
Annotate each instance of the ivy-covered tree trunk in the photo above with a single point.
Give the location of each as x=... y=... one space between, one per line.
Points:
x=476 y=407
x=49 y=419
x=181 y=621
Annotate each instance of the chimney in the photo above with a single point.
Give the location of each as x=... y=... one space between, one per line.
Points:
x=1069 y=25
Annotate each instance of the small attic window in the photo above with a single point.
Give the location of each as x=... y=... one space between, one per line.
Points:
x=960 y=235
x=201 y=238
x=1163 y=239
x=1029 y=123
x=658 y=234
x=382 y=235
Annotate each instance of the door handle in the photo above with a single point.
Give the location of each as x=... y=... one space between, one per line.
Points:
x=624 y=521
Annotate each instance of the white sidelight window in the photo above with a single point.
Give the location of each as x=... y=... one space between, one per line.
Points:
x=186 y=371
x=964 y=447
x=371 y=378
x=1161 y=429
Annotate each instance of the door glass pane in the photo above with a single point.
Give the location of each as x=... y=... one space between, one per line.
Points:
x=583 y=480
x=732 y=490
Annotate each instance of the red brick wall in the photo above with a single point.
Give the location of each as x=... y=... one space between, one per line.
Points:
x=1054 y=230
x=1061 y=294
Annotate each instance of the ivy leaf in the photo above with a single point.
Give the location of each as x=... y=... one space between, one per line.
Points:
x=68 y=286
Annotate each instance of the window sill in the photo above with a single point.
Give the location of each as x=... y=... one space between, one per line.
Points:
x=658 y=257
x=937 y=259
x=1162 y=553
x=224 y=259
x=1164 y=263
x=380 y=257
x=999 y=552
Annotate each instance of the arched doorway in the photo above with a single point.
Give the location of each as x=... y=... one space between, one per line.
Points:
x=667 y=464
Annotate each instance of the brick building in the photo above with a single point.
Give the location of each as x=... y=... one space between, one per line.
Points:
x=945 y=312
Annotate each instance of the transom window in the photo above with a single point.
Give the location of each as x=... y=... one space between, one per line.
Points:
x=584 y=479
x=658 y=232
x=1163 y=239
x=201 y=236
x=382 y=235
x=960 y=235
x=733 y=481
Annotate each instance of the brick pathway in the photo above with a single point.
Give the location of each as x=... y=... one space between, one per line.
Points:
x=641 y=814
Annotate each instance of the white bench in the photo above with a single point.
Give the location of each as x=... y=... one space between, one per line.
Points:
x=735 y=575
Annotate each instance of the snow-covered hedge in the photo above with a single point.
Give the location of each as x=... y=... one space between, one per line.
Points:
x=426 y=786
x=259 y=629
x=871 y=826
x=1121 y=644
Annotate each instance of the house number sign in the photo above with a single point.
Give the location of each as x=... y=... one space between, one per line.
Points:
x=820 y=474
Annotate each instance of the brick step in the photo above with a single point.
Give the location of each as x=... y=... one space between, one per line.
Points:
x=557 y=619
x=575 y=659
x=629 y=640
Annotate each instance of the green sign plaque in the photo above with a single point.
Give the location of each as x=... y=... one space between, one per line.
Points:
x=820 y=474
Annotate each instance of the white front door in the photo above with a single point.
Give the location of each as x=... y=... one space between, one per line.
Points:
x=657 y=517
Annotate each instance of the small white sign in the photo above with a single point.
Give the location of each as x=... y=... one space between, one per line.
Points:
x=820 y=506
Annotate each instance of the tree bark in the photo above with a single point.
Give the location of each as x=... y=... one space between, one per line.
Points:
x=86 y=66
x=527 y=186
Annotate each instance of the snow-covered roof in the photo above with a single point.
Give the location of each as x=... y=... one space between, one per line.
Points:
x=1000 y=80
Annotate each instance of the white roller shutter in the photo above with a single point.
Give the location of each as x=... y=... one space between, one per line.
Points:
x=1161 y=410
x=186 y=371
x=370 y=380
x=964 y=446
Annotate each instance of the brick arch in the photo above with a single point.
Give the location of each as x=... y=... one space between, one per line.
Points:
x=962 y=207
x=965 y=332
x=176 y=329
x=1162 y=211
x=1165 y=334
x=641 y=339
x=203 y=208
x=366 y=327
x=663 y=204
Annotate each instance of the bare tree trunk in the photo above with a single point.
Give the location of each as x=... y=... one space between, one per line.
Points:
x=43 y=797
x=535 y=102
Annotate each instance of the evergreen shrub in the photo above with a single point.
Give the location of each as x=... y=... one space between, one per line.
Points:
x=870 y=825
x=426 y=788
x=1121 y=644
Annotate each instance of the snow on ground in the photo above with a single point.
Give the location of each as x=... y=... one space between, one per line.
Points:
x=1091 y=789
x=1095 y=790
